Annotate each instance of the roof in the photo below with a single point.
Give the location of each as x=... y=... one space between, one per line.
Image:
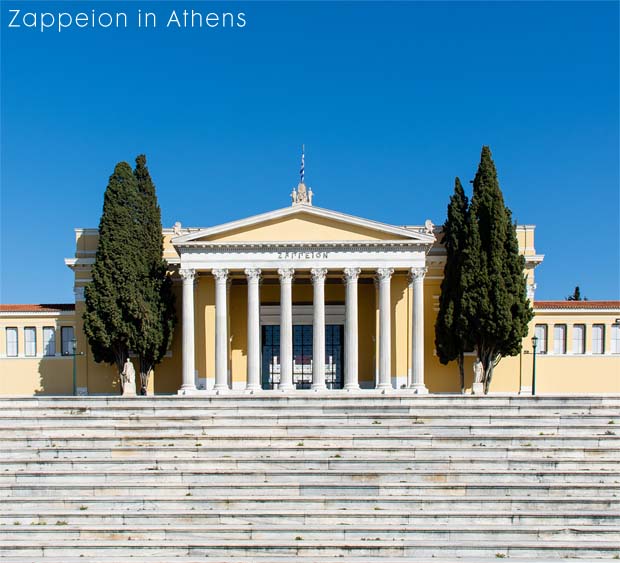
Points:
x=37 y=308
x=576 y=304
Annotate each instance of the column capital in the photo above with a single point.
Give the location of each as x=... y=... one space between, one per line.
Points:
x=318 y=274
x=384 y=274
x=188 y=274
x=253 y=274
x=351 y=274
x=417 y=274
x=286 y=274
x=220 y=274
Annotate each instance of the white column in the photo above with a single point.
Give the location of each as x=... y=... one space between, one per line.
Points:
x=417 y=372
x=351 y=378
x=318 y=329
x=253 y=275
x=189 y=383
x=221 y=330
x=286 y=329
x=384 y=276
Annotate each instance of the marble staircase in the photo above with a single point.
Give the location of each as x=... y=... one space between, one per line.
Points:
x=309 y=477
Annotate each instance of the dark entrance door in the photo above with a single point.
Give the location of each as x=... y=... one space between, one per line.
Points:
x=302 y=356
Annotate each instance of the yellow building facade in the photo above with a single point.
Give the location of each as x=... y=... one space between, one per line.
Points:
x=307 y=299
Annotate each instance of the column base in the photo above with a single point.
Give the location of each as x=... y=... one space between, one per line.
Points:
x=385 y=388
x=251 y=389
x=220 y=389
x=187 y=390
x=287 y=388
x=525 y=391
x=352 y=387
x=317 y=388
x=419 y=389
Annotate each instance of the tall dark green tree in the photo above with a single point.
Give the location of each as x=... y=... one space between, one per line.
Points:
x=155 y=324
x=451 y=328
x=576 y=295
x=494 y=299
x=111 y=297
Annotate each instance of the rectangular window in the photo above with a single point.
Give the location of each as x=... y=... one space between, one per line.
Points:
x=30 y=341
x=579 y=339
x=559 y=339
x=615 y=339
x=11 y=342
x=598 y=339
x=49 y=341
x=540 y=331
x=66 y=340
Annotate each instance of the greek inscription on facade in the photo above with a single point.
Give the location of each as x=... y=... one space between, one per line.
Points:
x=302 y=255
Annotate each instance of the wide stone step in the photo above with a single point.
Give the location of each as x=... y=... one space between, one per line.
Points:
x=30 y=492
x=569 y=548
x=169 y=450
x=370 y=475
x=277 y=559
x=41 y=532
x=364 y=417
x=156 y=476
x=137 y=439
x=290 y=559
x=370 y=426
x=439 y=502
x=327 y=397
x=332 y=463
x=302 y=518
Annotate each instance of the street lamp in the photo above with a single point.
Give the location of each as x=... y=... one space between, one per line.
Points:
x=73 y=353
x=534 y=345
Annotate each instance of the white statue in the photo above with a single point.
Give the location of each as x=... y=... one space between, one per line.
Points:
x=129 y=378
x=478 y=371
x=478 y=386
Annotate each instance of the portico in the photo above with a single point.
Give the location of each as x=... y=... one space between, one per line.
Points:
x=284 y=252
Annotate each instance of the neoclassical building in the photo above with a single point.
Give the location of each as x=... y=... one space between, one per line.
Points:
x=306 y=298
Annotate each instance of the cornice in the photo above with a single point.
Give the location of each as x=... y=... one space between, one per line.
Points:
x=278 y=246
x=14 y=314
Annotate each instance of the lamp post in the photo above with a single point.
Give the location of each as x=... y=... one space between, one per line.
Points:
x=534 y=345
x=73 y=353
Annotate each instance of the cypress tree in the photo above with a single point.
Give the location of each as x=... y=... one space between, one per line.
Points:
x=451 y=329
x=495 y=300
x=111 y=297
x=155 y=324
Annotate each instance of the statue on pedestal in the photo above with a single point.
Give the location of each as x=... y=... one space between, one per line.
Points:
x=128 y=376
x=478 y=386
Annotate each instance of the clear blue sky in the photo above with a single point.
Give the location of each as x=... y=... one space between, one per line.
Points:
x=392 y=101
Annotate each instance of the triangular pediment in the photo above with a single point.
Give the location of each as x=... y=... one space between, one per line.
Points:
x=303 y=223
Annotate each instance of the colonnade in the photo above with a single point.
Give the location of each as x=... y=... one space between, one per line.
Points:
x=286 y=276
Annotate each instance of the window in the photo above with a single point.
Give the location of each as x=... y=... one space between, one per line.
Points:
x=11 y=342
x=615 y=339
x=30 y=341
x=579 y=339
x=540 y=331
x=598 y=339
x=49 y=341
x=66 y=336
x=559 y=339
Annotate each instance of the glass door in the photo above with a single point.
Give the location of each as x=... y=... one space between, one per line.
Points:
x=302 y=356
